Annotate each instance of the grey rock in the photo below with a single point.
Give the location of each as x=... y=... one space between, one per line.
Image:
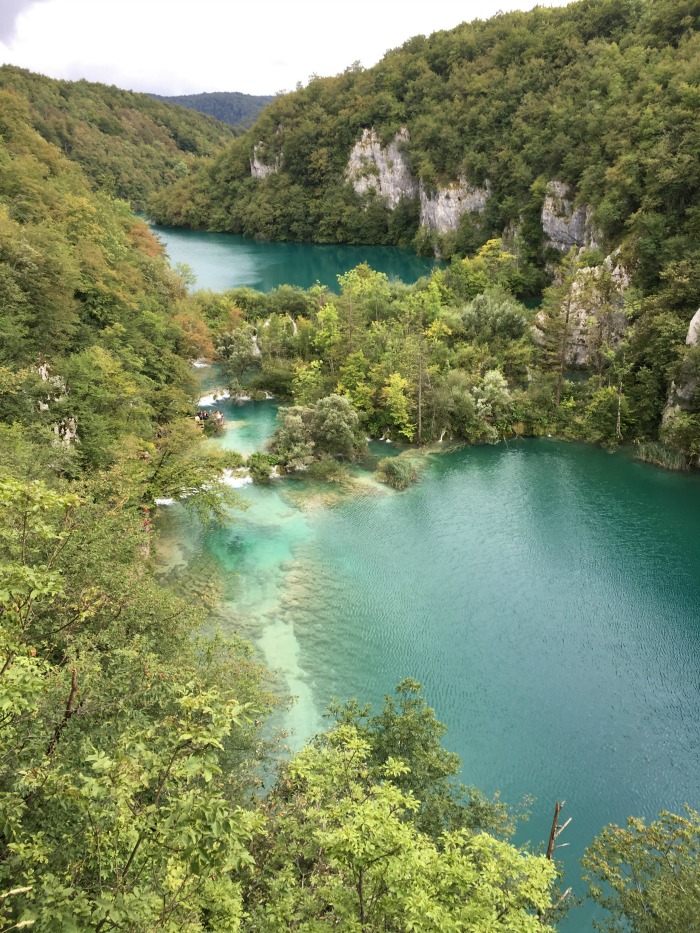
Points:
x=565 y=225
x=383 y=169
x=443 y=210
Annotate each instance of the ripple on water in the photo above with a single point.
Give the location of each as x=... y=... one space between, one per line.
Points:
x=546 y=596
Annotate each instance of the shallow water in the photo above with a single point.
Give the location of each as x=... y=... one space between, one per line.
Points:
x=545 y=594
x=227 y=260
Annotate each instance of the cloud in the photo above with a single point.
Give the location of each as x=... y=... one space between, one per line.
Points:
x=9 y=11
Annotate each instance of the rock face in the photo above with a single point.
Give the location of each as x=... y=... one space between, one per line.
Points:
x=443 y=210
x=682 y=394
x=595 y=310
x=694 y=330
x=385 y=170
x=597 y=296
x=565 y=226
x=259 y=168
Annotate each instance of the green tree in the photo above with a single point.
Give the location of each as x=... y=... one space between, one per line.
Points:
x=343 y=850
x=647 y=875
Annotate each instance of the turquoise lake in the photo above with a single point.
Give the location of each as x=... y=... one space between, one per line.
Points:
x=546 y=594
x=226 y=260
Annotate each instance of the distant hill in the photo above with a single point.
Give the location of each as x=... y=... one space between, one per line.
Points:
x=228 y=106
x=128 y=144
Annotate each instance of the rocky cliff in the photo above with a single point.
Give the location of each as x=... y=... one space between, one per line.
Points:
x=259 y=168
x=443 y=209
x=383 y=169
x=565 y=225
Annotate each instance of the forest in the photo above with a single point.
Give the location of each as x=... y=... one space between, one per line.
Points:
x=140 y=786
x=128 y=144
x=231 y=107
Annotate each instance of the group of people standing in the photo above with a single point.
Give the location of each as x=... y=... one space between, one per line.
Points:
x=203 y=416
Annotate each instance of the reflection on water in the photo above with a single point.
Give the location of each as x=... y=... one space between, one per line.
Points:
x=227 y=260
x=545 y=594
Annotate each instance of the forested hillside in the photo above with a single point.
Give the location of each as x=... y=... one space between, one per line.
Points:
x=127 y=144
x=600 y=96
x=139 y=787
x=130 y=744
x=232 y=107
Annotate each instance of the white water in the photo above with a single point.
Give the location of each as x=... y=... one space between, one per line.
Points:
x=206 y=401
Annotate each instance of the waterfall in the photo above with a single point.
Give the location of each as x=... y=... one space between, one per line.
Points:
x=294 y=323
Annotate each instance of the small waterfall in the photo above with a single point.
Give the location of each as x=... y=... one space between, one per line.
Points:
x=256 y=346
x=294 y=323
x=442 y=436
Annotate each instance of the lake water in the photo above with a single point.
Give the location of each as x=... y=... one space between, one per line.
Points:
x=546 y=594
x=226 y=260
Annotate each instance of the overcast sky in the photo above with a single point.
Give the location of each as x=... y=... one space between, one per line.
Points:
x=255 y=46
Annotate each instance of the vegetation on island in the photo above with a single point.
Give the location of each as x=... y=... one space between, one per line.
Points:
x=456 y=357
x=138 y=790
x=237 y=110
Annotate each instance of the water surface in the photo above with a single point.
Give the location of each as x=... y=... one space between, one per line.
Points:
x=227 y=260
x=546 y=594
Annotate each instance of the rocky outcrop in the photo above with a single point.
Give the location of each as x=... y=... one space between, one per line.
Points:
x=595 y=316
x=565 y=225
x=694 y=330
x=683 y=392
x=443 y=209
x=259 y=168
x=385 y=170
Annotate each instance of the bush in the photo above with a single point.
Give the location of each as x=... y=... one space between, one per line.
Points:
x=260 y=466
x=398 y=472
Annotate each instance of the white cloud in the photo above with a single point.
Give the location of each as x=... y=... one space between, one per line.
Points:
x=177 y=47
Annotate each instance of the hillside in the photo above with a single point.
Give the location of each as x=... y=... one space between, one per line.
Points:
x=128 y=144
x=566 y=126
x=231 y=107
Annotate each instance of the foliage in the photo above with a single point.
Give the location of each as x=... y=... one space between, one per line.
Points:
x=406 y=729
x=127 y=144
x=329 y=428
x=399 y=472
x=647 y=875
x=343 y=850
x=230 y=107
x=261 y=465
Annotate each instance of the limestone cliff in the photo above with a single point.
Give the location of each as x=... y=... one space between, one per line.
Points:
x=595 y=302
x=259 y=168
x=564 y=225
x=384 y=169
x=684 y=389
x=693 y=336
x=443 y=210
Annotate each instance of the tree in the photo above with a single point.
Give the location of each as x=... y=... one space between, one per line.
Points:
x=647 y=875
x=238 y=352
x=398 y=404
x=406 y=729
x=343 y=850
